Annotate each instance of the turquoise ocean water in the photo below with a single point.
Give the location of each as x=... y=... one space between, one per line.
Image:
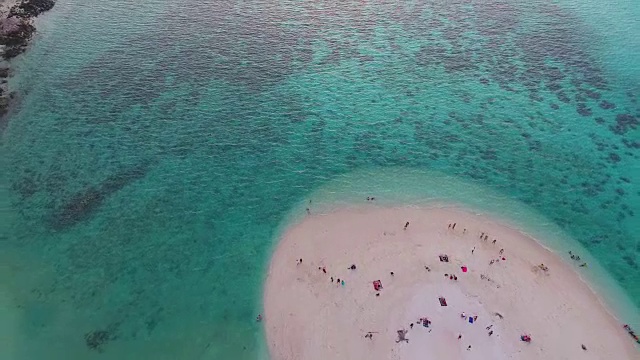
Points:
x=158 y=148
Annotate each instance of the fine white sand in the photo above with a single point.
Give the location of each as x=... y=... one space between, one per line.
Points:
x=306 y=316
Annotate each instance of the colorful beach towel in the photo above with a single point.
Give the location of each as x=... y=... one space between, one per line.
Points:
x=377 y=285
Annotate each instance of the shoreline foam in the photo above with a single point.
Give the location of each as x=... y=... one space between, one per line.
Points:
x=305 y=312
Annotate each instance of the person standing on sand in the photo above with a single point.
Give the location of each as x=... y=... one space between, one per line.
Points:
x=501 y=251
x=472 y=250
x=406 y=225
x=493 y=242
x=454 y=226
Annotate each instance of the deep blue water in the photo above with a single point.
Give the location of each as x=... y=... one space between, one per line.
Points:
x=157 y=147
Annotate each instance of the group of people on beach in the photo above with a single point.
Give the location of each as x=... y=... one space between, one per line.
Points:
x=426 y=323
x=576 y=258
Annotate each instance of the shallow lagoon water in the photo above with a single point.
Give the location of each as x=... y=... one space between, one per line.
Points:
x=157 y=150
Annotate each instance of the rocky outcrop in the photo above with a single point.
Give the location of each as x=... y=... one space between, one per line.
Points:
x=30 y=8
x=16 y=29
x=15 y=33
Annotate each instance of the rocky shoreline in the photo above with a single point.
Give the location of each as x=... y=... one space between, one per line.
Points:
x=16 y=29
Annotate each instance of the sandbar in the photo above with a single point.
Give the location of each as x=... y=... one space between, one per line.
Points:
x=511 y=288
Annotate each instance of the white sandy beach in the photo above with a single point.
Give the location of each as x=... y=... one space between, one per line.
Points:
x=307 y=316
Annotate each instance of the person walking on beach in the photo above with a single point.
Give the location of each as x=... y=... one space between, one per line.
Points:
x=493 y=242
x=501 y=251
x=406 y=225
x=472 y=250
x=454 y=226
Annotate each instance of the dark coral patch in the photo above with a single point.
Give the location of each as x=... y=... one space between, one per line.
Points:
x=614 y=158
x=554 y=86
x=583 y=110
x=624 y=122
x=554 y=106
x=563 y=97
x=630 y=261
x=604 y=104
x=592 y=94
x=631 y=144
x=599 y=120
x=96 y=339
x=83 y=205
